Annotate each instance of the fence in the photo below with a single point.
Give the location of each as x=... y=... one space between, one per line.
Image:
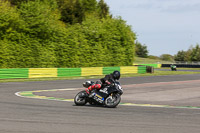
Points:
x=183 y=65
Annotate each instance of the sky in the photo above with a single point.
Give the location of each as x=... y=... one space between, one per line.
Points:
x=164 y=26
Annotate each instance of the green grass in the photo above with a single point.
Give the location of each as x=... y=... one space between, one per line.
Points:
x=161 y=73
x=139 y=60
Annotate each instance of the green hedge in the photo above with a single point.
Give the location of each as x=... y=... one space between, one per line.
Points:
x=32 y=35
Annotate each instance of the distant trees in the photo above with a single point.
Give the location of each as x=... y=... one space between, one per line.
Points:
x=166 y=57
x=180 y=56
x=192 y=54
x=141 y=50
x=195 y=53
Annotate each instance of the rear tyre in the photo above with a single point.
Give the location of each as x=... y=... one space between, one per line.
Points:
x=79 y=99
x=112 y=101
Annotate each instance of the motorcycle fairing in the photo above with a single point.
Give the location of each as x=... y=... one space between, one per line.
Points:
x=97 y=97
x=100 y=95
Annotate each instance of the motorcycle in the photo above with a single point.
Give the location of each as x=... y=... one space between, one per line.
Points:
x=173 y=68
x=109 y=96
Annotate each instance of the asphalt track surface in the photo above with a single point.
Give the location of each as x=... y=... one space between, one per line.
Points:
x=28 y=115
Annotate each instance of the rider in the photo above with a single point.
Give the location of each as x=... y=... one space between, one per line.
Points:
x=108 y=79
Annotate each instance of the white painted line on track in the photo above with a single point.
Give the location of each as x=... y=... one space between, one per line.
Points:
x=31 y=95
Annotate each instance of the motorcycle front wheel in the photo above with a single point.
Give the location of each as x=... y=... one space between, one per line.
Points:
x=80 y=99
x=112 y=101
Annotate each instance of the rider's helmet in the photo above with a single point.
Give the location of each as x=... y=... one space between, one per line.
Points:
x=88 y=83
x=116 y=75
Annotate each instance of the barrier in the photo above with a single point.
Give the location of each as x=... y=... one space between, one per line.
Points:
x=182 y=65
x=150 y=69
x=13 y=73
x=108 y=70
x=142 y=69
x=91 y=71
x=42 y=72
x=67 y=72
x=128 y=69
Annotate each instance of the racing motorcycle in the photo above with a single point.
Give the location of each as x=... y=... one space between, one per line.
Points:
x=173 y=68
x=109 y=96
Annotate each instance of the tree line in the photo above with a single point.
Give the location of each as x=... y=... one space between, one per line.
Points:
x=190 y=55
x=63 y=33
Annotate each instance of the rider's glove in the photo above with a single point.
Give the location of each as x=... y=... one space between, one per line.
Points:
x=107 y=82
x=87 y=91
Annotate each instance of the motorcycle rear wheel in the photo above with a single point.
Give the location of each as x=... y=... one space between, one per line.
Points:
x=80 y=101
x=112 y=101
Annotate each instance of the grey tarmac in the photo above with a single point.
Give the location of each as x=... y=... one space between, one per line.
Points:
x=24 y=115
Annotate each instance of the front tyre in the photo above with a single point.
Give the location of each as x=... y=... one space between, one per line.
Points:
x=80 y=99
x=112 y=101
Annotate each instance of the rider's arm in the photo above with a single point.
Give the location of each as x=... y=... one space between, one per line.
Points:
x=107 y=80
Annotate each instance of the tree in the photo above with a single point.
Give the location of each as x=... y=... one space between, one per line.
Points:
x=195 y=54
x=103 y=9
x=141 y=50
x=67 y=10
x=32 y=35
x=153 y=57
x=192 y=54
x=180 y=56
x=17 y=2
x=166 y=57
x=78 y=12
x=75 y=11
x=89 y=5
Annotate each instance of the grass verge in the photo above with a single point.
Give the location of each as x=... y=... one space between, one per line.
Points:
x=139 y=60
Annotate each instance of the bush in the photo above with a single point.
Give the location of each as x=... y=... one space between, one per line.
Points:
x=33 y=35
